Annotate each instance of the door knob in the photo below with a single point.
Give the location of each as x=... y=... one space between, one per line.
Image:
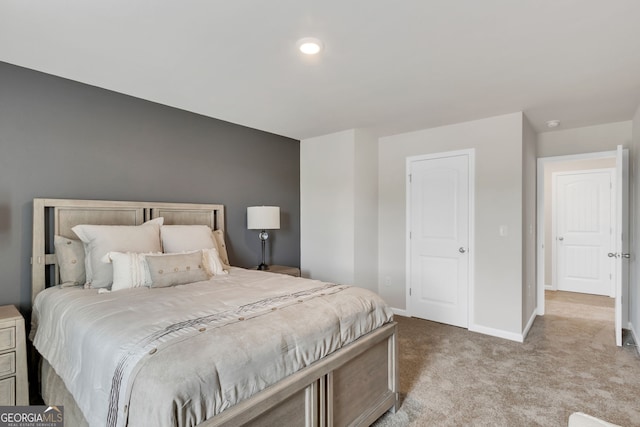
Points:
x=462 y=250
x=626 y=255
x=561 y=238
x=611 y=255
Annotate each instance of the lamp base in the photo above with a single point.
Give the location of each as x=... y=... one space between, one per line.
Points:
x=263 y=267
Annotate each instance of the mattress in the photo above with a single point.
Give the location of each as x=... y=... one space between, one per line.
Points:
x=180 y=355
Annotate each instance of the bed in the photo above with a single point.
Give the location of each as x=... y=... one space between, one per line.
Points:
x=337 y=375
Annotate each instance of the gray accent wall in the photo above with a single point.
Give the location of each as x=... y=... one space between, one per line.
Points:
x=64 y=139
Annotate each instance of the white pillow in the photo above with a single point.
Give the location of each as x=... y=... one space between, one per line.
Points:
x=100 y=239
x=212 y=262
x=130 y=270
x=184 y=238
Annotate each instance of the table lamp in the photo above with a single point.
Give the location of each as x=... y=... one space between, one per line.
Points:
x=263 y=218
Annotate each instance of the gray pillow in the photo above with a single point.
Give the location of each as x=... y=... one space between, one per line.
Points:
x=176 y=269
x=70 y=256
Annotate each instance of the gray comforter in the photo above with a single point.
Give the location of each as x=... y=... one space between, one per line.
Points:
x=178 y=356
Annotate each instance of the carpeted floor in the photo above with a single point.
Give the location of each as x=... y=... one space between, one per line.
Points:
x=569 y=362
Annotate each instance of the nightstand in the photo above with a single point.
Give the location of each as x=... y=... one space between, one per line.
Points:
x=14 y=383
x=283 y=269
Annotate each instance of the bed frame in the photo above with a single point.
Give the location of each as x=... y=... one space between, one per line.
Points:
x=353 y=386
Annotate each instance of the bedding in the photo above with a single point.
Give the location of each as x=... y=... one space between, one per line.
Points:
x=218 y=236
x=181 y=238
x=123 y=355
x=70 y=257
x=130 y=269
x=213 y=262
x=100 y=239
x=176 y=269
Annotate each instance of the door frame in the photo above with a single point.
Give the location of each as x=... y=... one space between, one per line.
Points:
x=612 y=219
x=470 y=153
x=623 y=239
x=540 y=249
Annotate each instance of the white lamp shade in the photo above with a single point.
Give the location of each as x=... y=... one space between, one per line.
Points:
x=263 y=217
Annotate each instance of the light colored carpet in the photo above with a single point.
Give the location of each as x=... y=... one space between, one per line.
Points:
x=569 y=362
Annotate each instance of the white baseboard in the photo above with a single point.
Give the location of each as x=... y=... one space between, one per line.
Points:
x=635 y=337
x=486 y=330
x=548 y=287
x=529 y=325
x=512 y=336
x=400 y=312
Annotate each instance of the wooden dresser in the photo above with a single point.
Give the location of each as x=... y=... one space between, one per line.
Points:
x=14 y=383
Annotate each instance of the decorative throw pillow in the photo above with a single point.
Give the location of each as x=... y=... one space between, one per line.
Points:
x=218 y=235
x=100 y=239
x=183 y=238
x=70 y=256
x=176 y=269
x=212 y=262
x=130 y=270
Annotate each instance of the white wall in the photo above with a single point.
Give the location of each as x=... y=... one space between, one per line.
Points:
x=498 y=260
x=366 y=210
x=343 y=179
x=327 y=208
x=529 y=223
x=634 y=290
x=339 y=208
x=588 y=139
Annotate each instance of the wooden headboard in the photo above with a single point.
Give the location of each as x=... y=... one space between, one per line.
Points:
x=57 y=216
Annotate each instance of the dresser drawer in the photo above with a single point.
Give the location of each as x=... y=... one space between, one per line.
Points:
x=7 y=364
x=8 y=391
x=7 y=338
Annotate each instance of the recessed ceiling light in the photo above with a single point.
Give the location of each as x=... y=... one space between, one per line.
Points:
x=309 y=45
x=553 y=123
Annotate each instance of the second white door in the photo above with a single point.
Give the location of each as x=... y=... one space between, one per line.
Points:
x=584 y=232
x=439 y=202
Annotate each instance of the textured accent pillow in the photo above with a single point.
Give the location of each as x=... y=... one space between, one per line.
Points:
x=176 y=269
x=70 y=255
x=183 y=238
x=222 y=248
x=212 y=262
x=100 y=239
x=130 y=270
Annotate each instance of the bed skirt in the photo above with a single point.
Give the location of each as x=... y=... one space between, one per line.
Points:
x=54 y=392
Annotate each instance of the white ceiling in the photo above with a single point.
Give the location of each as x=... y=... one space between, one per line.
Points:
x=392 y=66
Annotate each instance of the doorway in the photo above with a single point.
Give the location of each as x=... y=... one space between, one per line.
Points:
x=617 y=159
x=582 y=223
x=439 y=221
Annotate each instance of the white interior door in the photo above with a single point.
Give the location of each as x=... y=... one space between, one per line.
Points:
x=584 y=232
x=439 y=202
x=621 y=241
